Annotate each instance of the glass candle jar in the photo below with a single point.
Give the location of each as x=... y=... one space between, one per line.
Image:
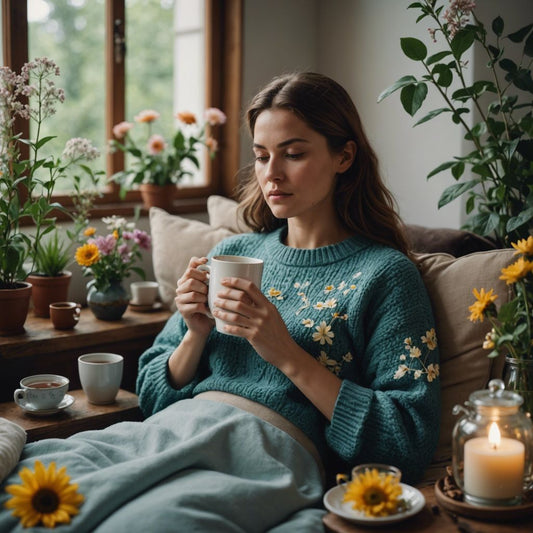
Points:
x=492 y=447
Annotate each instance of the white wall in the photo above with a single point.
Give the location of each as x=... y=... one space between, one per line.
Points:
x=357 y=42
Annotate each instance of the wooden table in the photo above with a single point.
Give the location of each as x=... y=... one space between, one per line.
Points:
x=432 y=519
x=80 y=416
x=43 y=349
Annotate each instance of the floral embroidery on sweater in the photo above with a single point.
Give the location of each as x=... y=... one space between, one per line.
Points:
x=419 y=366
x=322 y=331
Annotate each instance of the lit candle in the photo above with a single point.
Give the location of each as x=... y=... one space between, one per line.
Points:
x=494 y=466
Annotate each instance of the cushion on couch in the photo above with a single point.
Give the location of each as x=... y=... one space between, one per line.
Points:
x=465 y=366
x=174 y=241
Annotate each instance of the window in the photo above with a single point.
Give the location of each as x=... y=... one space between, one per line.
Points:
x=87 y=38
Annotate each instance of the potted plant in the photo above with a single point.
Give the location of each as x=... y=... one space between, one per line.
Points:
x=27 y=183
x=157 y=165
x=500 y=187
x=109 y=259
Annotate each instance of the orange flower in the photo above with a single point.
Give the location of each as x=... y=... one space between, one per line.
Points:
x=90 y=231
x=483 y=300
x=87 y=255
x=156 y=144
x=524 y=246
x=148 y=115
x=186 y=117
x=518 y=270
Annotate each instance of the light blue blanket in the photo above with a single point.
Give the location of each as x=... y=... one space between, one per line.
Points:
x=197 y=466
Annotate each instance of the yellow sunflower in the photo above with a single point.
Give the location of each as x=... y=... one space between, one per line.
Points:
x=518 y=270
x=45 y=496
x=373 y=493
x=87 y=255
x=483 y=300
x=524 y=246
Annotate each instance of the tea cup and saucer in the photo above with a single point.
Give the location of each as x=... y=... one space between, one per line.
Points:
x=43 y=394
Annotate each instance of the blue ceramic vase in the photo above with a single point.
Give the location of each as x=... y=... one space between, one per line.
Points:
x=110 y=304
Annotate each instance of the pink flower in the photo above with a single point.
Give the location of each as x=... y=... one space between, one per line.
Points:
x=142 y=238
x=105 y=244
x=214 y=116
x=156 y=144
x=148 y=115
x=212 y=145
x=120 y=129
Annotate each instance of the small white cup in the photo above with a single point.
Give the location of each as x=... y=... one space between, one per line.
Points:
x=41 y=391
x=230 y=266
x=100 y=376
x=144 y=292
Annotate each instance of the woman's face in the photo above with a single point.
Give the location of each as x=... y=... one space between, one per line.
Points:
x=294 y=166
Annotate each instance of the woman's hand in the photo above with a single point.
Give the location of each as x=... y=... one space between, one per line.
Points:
x=251 y=315
x=191 y=298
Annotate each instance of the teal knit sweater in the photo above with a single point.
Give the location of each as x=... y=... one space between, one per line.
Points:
x=362 y=310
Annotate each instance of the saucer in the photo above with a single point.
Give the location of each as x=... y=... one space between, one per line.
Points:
x=142 y=308
x=333 y=502
x=67 y=401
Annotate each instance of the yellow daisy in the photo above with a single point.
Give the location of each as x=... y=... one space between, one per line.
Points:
x=45 y=495
x=373 y=493
x=518 y=270
x=87 y=255
x=90 y=231
x=483 y=300
x=524 y=246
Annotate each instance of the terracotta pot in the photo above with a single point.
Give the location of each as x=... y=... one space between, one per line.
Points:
x=14 y=306
x=158 y=195
x=47 y=290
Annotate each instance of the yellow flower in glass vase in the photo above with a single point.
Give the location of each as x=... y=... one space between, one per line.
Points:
x=45 y=496
x=374 y=493
x=512 y=323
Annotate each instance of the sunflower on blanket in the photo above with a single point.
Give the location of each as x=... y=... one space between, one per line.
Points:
x=45 y=495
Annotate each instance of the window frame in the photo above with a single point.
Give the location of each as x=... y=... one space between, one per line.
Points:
x=223 y=90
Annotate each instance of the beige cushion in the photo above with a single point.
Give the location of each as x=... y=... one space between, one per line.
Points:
x=224 y=213
x=174 y=241
x=464 y=365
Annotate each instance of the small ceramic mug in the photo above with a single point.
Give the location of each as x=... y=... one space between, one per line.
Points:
x=230 y=266
x=65 y=315
x=144 y=292
x=100 y=376
x=41 y=391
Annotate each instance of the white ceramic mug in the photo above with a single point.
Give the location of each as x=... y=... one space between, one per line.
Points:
x=144 y=292
x=41 y=391
x=230 y=266
x=100 y=376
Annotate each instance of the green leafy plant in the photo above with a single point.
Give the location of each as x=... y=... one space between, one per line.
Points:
x=160 y=163
x=500 y=187
x=52 y=256
x=27 y=184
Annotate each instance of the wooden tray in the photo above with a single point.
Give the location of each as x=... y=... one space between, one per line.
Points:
x=498 y=513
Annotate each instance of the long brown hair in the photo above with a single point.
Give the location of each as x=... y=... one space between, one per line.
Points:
x=363 y=203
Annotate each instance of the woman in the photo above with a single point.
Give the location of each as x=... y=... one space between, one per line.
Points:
x=333 y=361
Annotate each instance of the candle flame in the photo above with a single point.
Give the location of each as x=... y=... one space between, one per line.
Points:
x=494 y=436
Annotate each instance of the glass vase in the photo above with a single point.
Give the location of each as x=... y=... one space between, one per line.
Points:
x=518 y=377
x=109 y=304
